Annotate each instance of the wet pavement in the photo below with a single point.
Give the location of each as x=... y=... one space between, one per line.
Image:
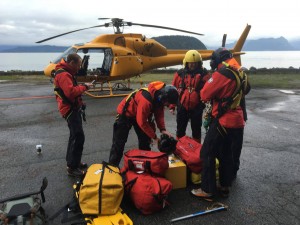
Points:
x=266 y=191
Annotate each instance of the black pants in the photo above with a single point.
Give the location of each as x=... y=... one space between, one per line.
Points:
x=121 y=130
x=76 y=140
x=219 y=143
x=183 y=117
x=236 y=146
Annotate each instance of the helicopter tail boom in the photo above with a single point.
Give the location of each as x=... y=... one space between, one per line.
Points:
x=236 y=51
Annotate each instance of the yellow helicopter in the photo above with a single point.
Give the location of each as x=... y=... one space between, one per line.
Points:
x=121 y=56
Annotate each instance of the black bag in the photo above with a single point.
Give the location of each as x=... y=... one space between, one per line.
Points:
x=167 y=144
x=24 y=209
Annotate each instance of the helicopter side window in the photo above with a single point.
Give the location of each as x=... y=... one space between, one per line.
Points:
x=84 y=66
x=95 y=61
x=107 y=61
x=120 y=41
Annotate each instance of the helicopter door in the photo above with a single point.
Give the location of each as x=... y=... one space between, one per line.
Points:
x=126 y=66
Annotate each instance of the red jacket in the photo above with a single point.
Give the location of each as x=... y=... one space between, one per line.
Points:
x=189 y=89
x=142 y=110
x=218 y=87
x=67 y=83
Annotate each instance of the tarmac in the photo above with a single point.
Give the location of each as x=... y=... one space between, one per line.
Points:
x=266 y=191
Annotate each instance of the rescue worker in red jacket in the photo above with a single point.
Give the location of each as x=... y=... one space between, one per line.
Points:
x=70 y=105
x=137 y=110
x=189 y=81
x=225 y=90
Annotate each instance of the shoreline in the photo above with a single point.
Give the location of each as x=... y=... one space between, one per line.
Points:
x=251 y=70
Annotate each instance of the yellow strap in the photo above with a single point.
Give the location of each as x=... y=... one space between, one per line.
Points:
x=238 y=82
x=129 y=96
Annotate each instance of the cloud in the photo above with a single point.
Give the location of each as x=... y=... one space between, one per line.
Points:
x=25 y=22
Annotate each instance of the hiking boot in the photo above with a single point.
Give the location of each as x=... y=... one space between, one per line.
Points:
x=75 y=172
x=83 y=165
x=224 y=191
x=202 y=194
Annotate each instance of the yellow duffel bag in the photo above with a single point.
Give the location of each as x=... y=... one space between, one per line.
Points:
x=101 y=191
x=196 y=177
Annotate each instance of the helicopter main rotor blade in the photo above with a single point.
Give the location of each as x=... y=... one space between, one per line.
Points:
x=47 y=39
x=167 y=28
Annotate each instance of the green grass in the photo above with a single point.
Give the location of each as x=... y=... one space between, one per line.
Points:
x=287 y=81
x=146 y=78
x=29 y=78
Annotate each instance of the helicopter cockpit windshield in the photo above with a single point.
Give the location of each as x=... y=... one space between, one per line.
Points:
x=95 y=61
x=64 y=55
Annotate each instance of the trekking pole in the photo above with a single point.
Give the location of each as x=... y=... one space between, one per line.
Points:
x=214 y=208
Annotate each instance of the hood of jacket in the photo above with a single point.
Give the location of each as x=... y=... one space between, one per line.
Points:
x=65 y=66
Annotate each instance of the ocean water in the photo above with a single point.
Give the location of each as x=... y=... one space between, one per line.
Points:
x=257 y=59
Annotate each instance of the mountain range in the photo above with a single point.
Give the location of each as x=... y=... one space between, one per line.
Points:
x=178 y=42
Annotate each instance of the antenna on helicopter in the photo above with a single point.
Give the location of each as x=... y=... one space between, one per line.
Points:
x=118 y=23
x=224 y=40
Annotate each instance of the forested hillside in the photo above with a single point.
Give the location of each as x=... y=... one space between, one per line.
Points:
x=180 y=42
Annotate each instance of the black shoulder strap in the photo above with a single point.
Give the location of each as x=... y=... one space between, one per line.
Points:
x=73 y=207
x=225 y=71
x=58 y=71
x=60 y=93
x=147 y=95
x=182 y=73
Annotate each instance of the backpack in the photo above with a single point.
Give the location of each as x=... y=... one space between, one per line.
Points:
x=147 y=192
x=146 y=161
x=24 y=209
x=234 y=100
x=101 y=190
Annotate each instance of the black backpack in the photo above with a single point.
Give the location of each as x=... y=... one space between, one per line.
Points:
x=24 y=209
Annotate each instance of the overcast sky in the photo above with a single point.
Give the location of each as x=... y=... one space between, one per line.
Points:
x=23 y=22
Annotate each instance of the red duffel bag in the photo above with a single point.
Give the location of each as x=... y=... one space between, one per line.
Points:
x=189 y=151
x=147 y=161
x=147 y=192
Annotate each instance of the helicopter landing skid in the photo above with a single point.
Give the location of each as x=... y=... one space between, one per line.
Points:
x=107 y=90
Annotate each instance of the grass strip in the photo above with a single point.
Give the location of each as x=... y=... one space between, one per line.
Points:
x=287 y=81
